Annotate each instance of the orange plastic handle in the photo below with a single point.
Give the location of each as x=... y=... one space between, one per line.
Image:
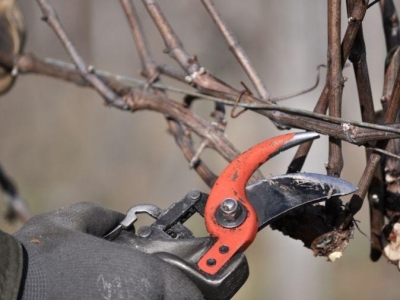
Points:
x=232 y=184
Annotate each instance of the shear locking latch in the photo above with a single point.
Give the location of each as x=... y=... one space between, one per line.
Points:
x=229 y=216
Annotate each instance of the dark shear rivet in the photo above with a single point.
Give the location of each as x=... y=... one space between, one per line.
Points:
x=211 y=262
x=223 y=249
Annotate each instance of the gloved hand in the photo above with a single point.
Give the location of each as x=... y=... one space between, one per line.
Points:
x=67 y=259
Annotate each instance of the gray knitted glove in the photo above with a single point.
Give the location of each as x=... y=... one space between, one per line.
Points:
x=67 y=259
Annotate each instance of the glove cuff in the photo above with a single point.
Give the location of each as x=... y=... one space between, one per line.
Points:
x=11 y=266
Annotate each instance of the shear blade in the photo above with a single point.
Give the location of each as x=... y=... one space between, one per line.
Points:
x=274 y=197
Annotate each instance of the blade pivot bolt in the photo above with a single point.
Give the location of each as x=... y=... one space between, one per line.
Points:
x=230 y=213
x=230 y=208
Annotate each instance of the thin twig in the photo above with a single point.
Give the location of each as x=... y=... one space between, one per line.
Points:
x=50 y=16
x=302 y=92
x=335 y=81
x=147 y=62
x=355 y=19
x=238 y=51
x=376 y=189
x=173 y=45
x=388 y=153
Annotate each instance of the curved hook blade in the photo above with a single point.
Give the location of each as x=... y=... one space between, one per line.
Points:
x=274 y=197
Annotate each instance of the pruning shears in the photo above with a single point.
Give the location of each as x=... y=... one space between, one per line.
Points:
x=233 y=215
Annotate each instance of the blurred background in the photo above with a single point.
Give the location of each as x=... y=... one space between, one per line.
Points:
x=62 y=146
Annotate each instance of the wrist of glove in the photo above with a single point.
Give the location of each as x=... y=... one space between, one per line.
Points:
x=68 y=259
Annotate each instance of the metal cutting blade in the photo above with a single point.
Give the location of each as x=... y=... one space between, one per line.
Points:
x=278 y=195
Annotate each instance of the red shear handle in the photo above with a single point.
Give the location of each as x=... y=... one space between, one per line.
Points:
x=231 y=184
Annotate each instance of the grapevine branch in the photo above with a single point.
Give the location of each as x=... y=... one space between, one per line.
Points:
x=132 y=95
